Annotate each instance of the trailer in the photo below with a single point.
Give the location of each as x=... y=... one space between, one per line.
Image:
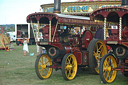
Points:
x=24 y=30
x=12 y=36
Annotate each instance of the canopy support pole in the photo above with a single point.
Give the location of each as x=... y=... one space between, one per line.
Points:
x=55 y=32
x=38 y=30
x=33 y=31
x=50 y=31
x=120 y=28
x=105 y=20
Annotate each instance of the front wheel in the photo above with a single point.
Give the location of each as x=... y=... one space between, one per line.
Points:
x=42 y=68
x=69 y=66
x=107 y=65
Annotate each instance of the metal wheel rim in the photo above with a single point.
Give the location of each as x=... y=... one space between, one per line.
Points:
x=43 y=68
x=108 y=72
x=70 y=67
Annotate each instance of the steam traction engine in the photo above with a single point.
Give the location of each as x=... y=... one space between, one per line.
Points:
x=66 y=48
x=116 y=37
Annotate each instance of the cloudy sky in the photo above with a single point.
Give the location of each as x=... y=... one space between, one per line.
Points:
x=15 y=11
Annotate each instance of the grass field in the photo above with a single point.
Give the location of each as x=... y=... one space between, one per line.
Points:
x=16 y=69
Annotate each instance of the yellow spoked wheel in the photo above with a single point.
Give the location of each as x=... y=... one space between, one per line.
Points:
x=42 y=64
x=97 y=50
x=107 y=64
x=69 y=67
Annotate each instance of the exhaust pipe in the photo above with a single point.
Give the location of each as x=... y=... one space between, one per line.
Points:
x=57 y=5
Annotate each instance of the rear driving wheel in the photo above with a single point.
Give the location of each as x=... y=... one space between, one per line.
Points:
x=69 y=67
x=42 y=68
x=107 y=65
x=97 y=49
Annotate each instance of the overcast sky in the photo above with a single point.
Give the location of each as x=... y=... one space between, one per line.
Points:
x=16 y=11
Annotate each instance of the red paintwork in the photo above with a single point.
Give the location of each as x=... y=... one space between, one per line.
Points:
x=114 y=35
x=46 y=36
x=45 y=29
x=87 y=38
x=74 y=45
x=108 y=47
x=85 y=53
x=50 y=16
x=49 y=43
x=78 y=57
x=56 y=39
x=71 y=49
x=106 y=10
x=55 y=66
x=122 y=68
x=126 y=61
x=72 y=21
x=68 y=49
x=75 y=49
x=37 y=16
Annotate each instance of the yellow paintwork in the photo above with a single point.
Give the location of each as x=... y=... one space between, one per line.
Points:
x=45 y=61
x=108 y=73
x=71 y=67
x=99 y=51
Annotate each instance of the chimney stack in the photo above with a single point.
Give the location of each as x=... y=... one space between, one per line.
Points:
x=57 y=6
x=124 y=3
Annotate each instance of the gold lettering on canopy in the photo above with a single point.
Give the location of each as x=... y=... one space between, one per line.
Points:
x=77 y=21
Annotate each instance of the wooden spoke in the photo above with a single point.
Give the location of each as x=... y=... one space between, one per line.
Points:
x=40 y=62
x=100 y=47
x=47 y=62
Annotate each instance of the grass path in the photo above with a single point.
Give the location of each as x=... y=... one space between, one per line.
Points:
x=16 y=69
